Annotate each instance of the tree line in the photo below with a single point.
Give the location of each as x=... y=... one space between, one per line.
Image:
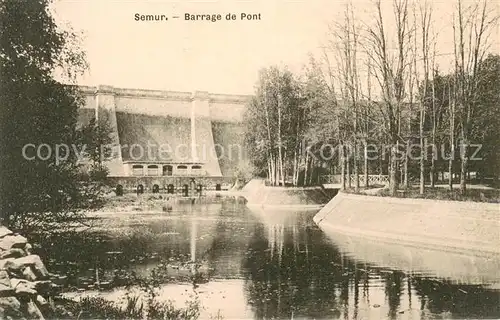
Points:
x=40 y=193
x=377 y=89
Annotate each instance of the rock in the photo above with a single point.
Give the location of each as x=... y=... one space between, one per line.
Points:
x=12 y=253
x=5 y=285
x=10 y=308
x=4 y=276
x=25 y=288
x=36 y=263
x=23 y=284
x=4 y=232
x=33 y=311
x=10 y=264
x=13 y=241
x=28 y=249
x=29 y=274
x=41 y=301
x=17 y=282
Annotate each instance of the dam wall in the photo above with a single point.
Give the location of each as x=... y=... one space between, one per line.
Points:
x=199 y=128
x=451 y=226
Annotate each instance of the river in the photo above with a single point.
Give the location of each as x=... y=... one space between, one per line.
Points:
x=274 y=264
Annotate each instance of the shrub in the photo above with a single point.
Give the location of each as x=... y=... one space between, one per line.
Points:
x=100 y=308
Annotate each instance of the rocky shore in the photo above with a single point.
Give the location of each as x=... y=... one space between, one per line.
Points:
x=26 y=289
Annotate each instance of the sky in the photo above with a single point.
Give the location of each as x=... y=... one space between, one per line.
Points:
x=219 y=57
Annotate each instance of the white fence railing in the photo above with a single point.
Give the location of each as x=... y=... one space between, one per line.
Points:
x=373 y=179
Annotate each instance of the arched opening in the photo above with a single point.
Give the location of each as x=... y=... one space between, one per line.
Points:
x=137 y=170
x=119 y=190
x=218 y=187
x=140 y=189
x=167 y=170
x=196 y=167
x=152 y=170
x=185 y=190
x=170 y=188
x=156 y=188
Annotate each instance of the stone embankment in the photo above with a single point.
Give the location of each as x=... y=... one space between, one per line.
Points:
x=457 y=226
x=25 y=286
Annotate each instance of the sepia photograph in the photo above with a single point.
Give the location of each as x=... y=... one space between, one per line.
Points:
x=249 y=159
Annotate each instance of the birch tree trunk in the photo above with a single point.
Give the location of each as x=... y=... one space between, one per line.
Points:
x=422 y=150
x=434 y=121
x=433 y=156
x=348 y=169
x=342 y=167
x=452 y=135
x=425 y=20
x=306 y=166
x=280 y=155
x=365 y=149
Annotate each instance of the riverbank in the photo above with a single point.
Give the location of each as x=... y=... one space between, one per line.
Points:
x=122 y=249
x=475 y=193
x=25 y=282
x=207 y=299
x=258 y=194
x=159 y=202
x=452 y=226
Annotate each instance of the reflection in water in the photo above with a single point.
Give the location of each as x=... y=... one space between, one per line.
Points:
x=283 y=280
x=284 y=264
x=193 y=232
x=335 y=283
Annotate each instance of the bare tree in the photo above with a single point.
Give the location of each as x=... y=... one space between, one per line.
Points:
x=434 y=119
x=344 y=43
x=471 y=29
x=366 y=121
x=391 y=71
x=424 y=20
x=452 y=101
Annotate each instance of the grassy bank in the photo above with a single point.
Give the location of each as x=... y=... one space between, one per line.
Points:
x=131 y=202
x=441 y=193
x=142 y=299
x=135 y=308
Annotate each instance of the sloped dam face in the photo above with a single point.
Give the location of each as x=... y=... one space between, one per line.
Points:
x=168 y=126
x=275 y=263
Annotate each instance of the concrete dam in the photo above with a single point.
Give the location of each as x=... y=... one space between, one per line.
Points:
x=168 y=137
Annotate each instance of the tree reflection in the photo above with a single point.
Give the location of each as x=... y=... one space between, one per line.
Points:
x=461 y=301
x=290 y=268
x=292 y=272
x=393 y=290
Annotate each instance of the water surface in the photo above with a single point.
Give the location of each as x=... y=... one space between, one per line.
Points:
x=277 y=264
